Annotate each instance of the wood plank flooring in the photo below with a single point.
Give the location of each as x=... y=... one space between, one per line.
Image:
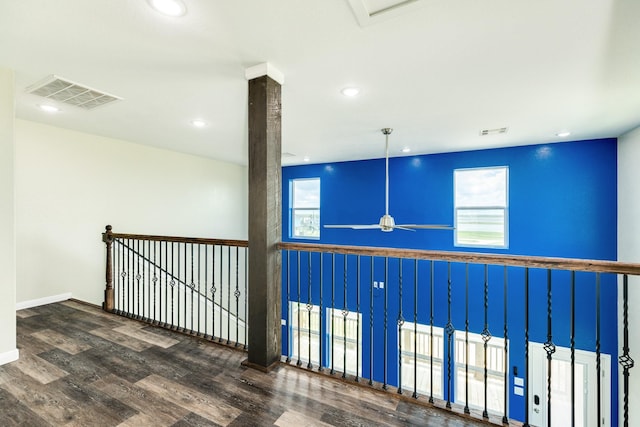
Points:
x=80 y=366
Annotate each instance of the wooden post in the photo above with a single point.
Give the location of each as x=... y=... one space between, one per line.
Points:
x=265 y=222
x=108 y=292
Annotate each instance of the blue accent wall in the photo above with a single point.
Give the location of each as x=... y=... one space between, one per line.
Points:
x=562 y=203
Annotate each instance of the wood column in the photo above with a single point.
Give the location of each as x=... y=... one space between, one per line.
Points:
x=265 y=223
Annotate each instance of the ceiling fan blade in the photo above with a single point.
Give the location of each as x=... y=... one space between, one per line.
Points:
x=354 y=226
x=402 y=227
x=427 y=226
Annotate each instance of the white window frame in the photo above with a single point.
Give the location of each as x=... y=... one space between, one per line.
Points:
x=423 y=358
x=336 y=315
x=495 y=371
x=313 y=331
x=306 y=331
x=461 y=207
x=294 y=210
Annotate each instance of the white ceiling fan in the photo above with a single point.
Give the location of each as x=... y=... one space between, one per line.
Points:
x=387 y=222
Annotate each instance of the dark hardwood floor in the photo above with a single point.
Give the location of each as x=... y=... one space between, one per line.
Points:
x=80 y=366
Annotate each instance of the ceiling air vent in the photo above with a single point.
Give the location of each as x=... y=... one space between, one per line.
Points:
x=71 y=93
x=496 y=131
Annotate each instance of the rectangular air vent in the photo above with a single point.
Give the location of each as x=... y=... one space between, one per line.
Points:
x=496 y=131
x=71 y=93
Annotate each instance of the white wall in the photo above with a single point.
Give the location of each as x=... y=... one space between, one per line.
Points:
x=8 y=351
x=629 y=251
x=69 y=185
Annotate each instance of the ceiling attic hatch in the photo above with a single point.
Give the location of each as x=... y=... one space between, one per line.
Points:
x=70 y=93
x=369 y=12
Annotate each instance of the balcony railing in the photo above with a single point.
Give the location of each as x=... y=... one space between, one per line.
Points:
x=192 y=285
x=504 y=338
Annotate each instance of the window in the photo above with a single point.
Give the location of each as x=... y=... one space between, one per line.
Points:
x=417 y=356
x=307 y=333
x=481 y=207
x=495 y=372
x=341 y=337
x=305 y=208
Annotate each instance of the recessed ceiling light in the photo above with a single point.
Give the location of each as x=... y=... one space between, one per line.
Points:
x=406 y=149
x=48 y=108
x=198 y=123
x=350 y=91
x=169 y=7
x=563 y=134
x=306 y=158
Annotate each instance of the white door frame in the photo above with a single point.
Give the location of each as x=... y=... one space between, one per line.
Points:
x=538 y=383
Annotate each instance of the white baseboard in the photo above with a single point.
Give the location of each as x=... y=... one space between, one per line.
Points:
x=8 y=356
x=43 y=301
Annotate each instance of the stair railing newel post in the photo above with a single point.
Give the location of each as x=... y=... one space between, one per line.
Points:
x=107 y=238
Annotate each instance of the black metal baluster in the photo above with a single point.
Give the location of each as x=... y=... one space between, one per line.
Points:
x=166 y=284
x=148 y=285
x=178 y=280
x=199 y=293
x=385 y=319
x=136 y=266
x=192 y=285
x=598 y=365
x=236 y=293
x=345 y=313
x=333 y=304
x=299 y=362
x=289 y=328
x=486 y=337
x=129 y=277
x=116 y=270
x=449 y=329
x=206 y=291
x=228 y=294
x=625 y=360
x=151 y=291
x=526 y=347
x=155 y=282
x=573 y=348
x=415 y=329
x=466 y=339
x=173 y=282
x=309 y=307
x=432 y=274
x=321 y=314
x=400 y=323
x=358 y=320
x=371 y=325
x=505 y=419
x=221 y=292
x=213 y=292
x=549 y=347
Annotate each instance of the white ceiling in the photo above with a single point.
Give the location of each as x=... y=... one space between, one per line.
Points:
x=437 y=71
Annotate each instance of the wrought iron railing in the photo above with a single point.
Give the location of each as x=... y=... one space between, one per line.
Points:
x=504 y=338
x=192 y=285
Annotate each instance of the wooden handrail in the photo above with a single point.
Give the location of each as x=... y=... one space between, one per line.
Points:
x=599 y=266
x=194 y=240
